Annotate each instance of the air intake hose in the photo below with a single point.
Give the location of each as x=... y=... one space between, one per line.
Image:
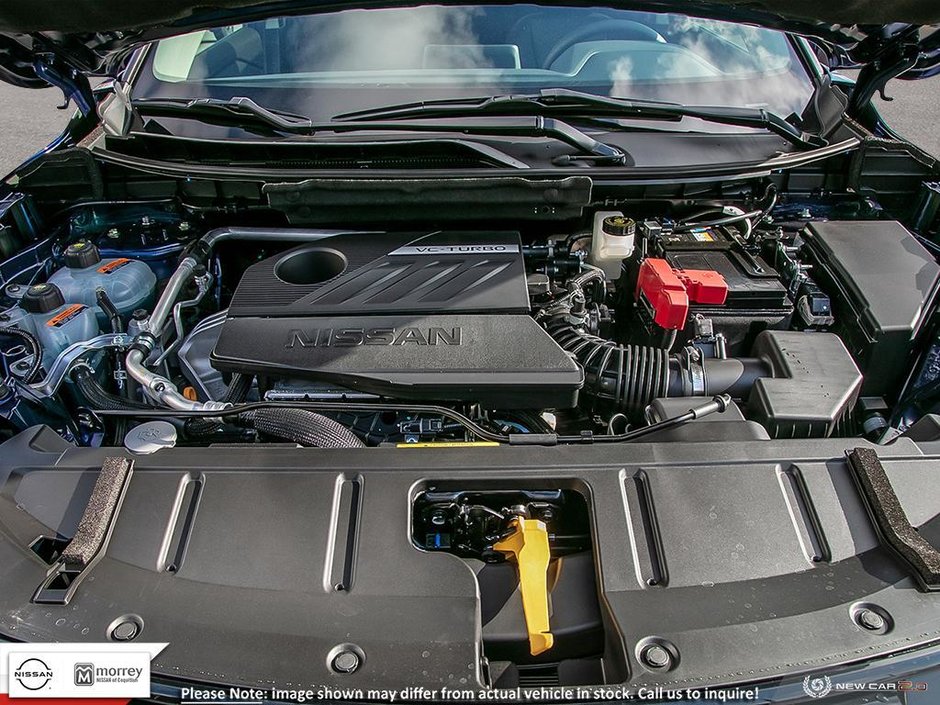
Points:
x=629 y=377
x=305 y=427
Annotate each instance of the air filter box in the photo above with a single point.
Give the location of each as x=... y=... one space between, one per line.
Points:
x=881 y=281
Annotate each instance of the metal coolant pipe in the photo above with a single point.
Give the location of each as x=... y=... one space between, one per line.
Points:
x=161 y=389
x=156 y=386
x=164 y=306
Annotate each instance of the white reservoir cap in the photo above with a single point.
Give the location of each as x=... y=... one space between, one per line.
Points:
x=150 y=437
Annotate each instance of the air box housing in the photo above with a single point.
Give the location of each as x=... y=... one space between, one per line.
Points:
x=881 y=280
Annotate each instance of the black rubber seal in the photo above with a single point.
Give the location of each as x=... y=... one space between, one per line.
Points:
x=894 y=528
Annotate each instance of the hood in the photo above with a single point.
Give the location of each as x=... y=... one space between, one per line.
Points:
x=63 y=42
x=87 y=17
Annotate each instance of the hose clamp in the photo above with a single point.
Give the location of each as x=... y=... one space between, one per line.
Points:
x=144 y=343
x=690 y=360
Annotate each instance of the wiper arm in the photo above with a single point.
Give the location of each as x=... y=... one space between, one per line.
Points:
x=719 y=114
x=242 y=110
x=571 y=102
x=237 y=110
x=521 y=126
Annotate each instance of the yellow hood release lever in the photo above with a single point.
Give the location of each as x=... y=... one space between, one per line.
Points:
x=528 y=545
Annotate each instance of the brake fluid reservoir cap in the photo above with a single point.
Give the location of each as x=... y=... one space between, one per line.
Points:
x=81 y=255
x=42 y=298
x=619 y=226
x=150 y=437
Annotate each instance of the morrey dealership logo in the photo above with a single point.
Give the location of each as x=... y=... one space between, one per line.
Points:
x=85 y=674
x=88 y=674
x=33 y=674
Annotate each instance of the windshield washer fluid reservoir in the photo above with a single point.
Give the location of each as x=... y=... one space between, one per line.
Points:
x=54 y=322
x=129 y=283
x=612 y=242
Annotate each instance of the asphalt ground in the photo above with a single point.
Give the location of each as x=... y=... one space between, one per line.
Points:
x=29 y=119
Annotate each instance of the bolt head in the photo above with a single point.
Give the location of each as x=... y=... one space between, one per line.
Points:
x=125 y=628
x=346 y=662
x=125 y=631
x=656 y=656
x=871 y=620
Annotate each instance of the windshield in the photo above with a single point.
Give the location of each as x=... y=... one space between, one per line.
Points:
x=326 y=64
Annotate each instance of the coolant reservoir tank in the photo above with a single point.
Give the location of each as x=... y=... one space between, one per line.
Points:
x=613 y=239
x=129 y=283
x=56 y=323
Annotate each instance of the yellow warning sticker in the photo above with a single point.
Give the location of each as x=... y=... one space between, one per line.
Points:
x=60 y=319
x=113 y=265
x=451 y=444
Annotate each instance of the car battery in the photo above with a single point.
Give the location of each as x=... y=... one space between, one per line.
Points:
x=756 y=297
x=664 y=294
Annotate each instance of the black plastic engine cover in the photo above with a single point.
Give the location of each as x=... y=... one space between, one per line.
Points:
x=369 y=273
x=435 y=317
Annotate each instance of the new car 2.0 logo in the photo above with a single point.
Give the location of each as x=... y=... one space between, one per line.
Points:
x=33 y=674
x=817 y=687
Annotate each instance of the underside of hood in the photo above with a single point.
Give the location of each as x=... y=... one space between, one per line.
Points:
x=91 y=16
x=62 y=41
x=104 y=25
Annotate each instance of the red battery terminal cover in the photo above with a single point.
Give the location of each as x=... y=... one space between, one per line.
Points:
x=669 y=291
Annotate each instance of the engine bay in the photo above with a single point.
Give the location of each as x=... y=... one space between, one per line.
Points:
x=614 y=330
x=175 y=348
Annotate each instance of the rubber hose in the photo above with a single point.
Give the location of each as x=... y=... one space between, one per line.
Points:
x=36 y=347
x=734 y=375
x=238 y=388
x=98 y=397
x=627 y=376
x=585 y=278
x=305 y=427
x=110 y=310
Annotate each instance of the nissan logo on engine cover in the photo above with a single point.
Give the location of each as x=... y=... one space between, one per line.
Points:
x=352 y=337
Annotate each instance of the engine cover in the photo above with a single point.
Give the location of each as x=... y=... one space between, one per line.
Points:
x=438 y=316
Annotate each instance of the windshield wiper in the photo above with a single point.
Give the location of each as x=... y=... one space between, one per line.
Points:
x=563 y=101
x=241 y=111
x=244 y=111
x=519 y=126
